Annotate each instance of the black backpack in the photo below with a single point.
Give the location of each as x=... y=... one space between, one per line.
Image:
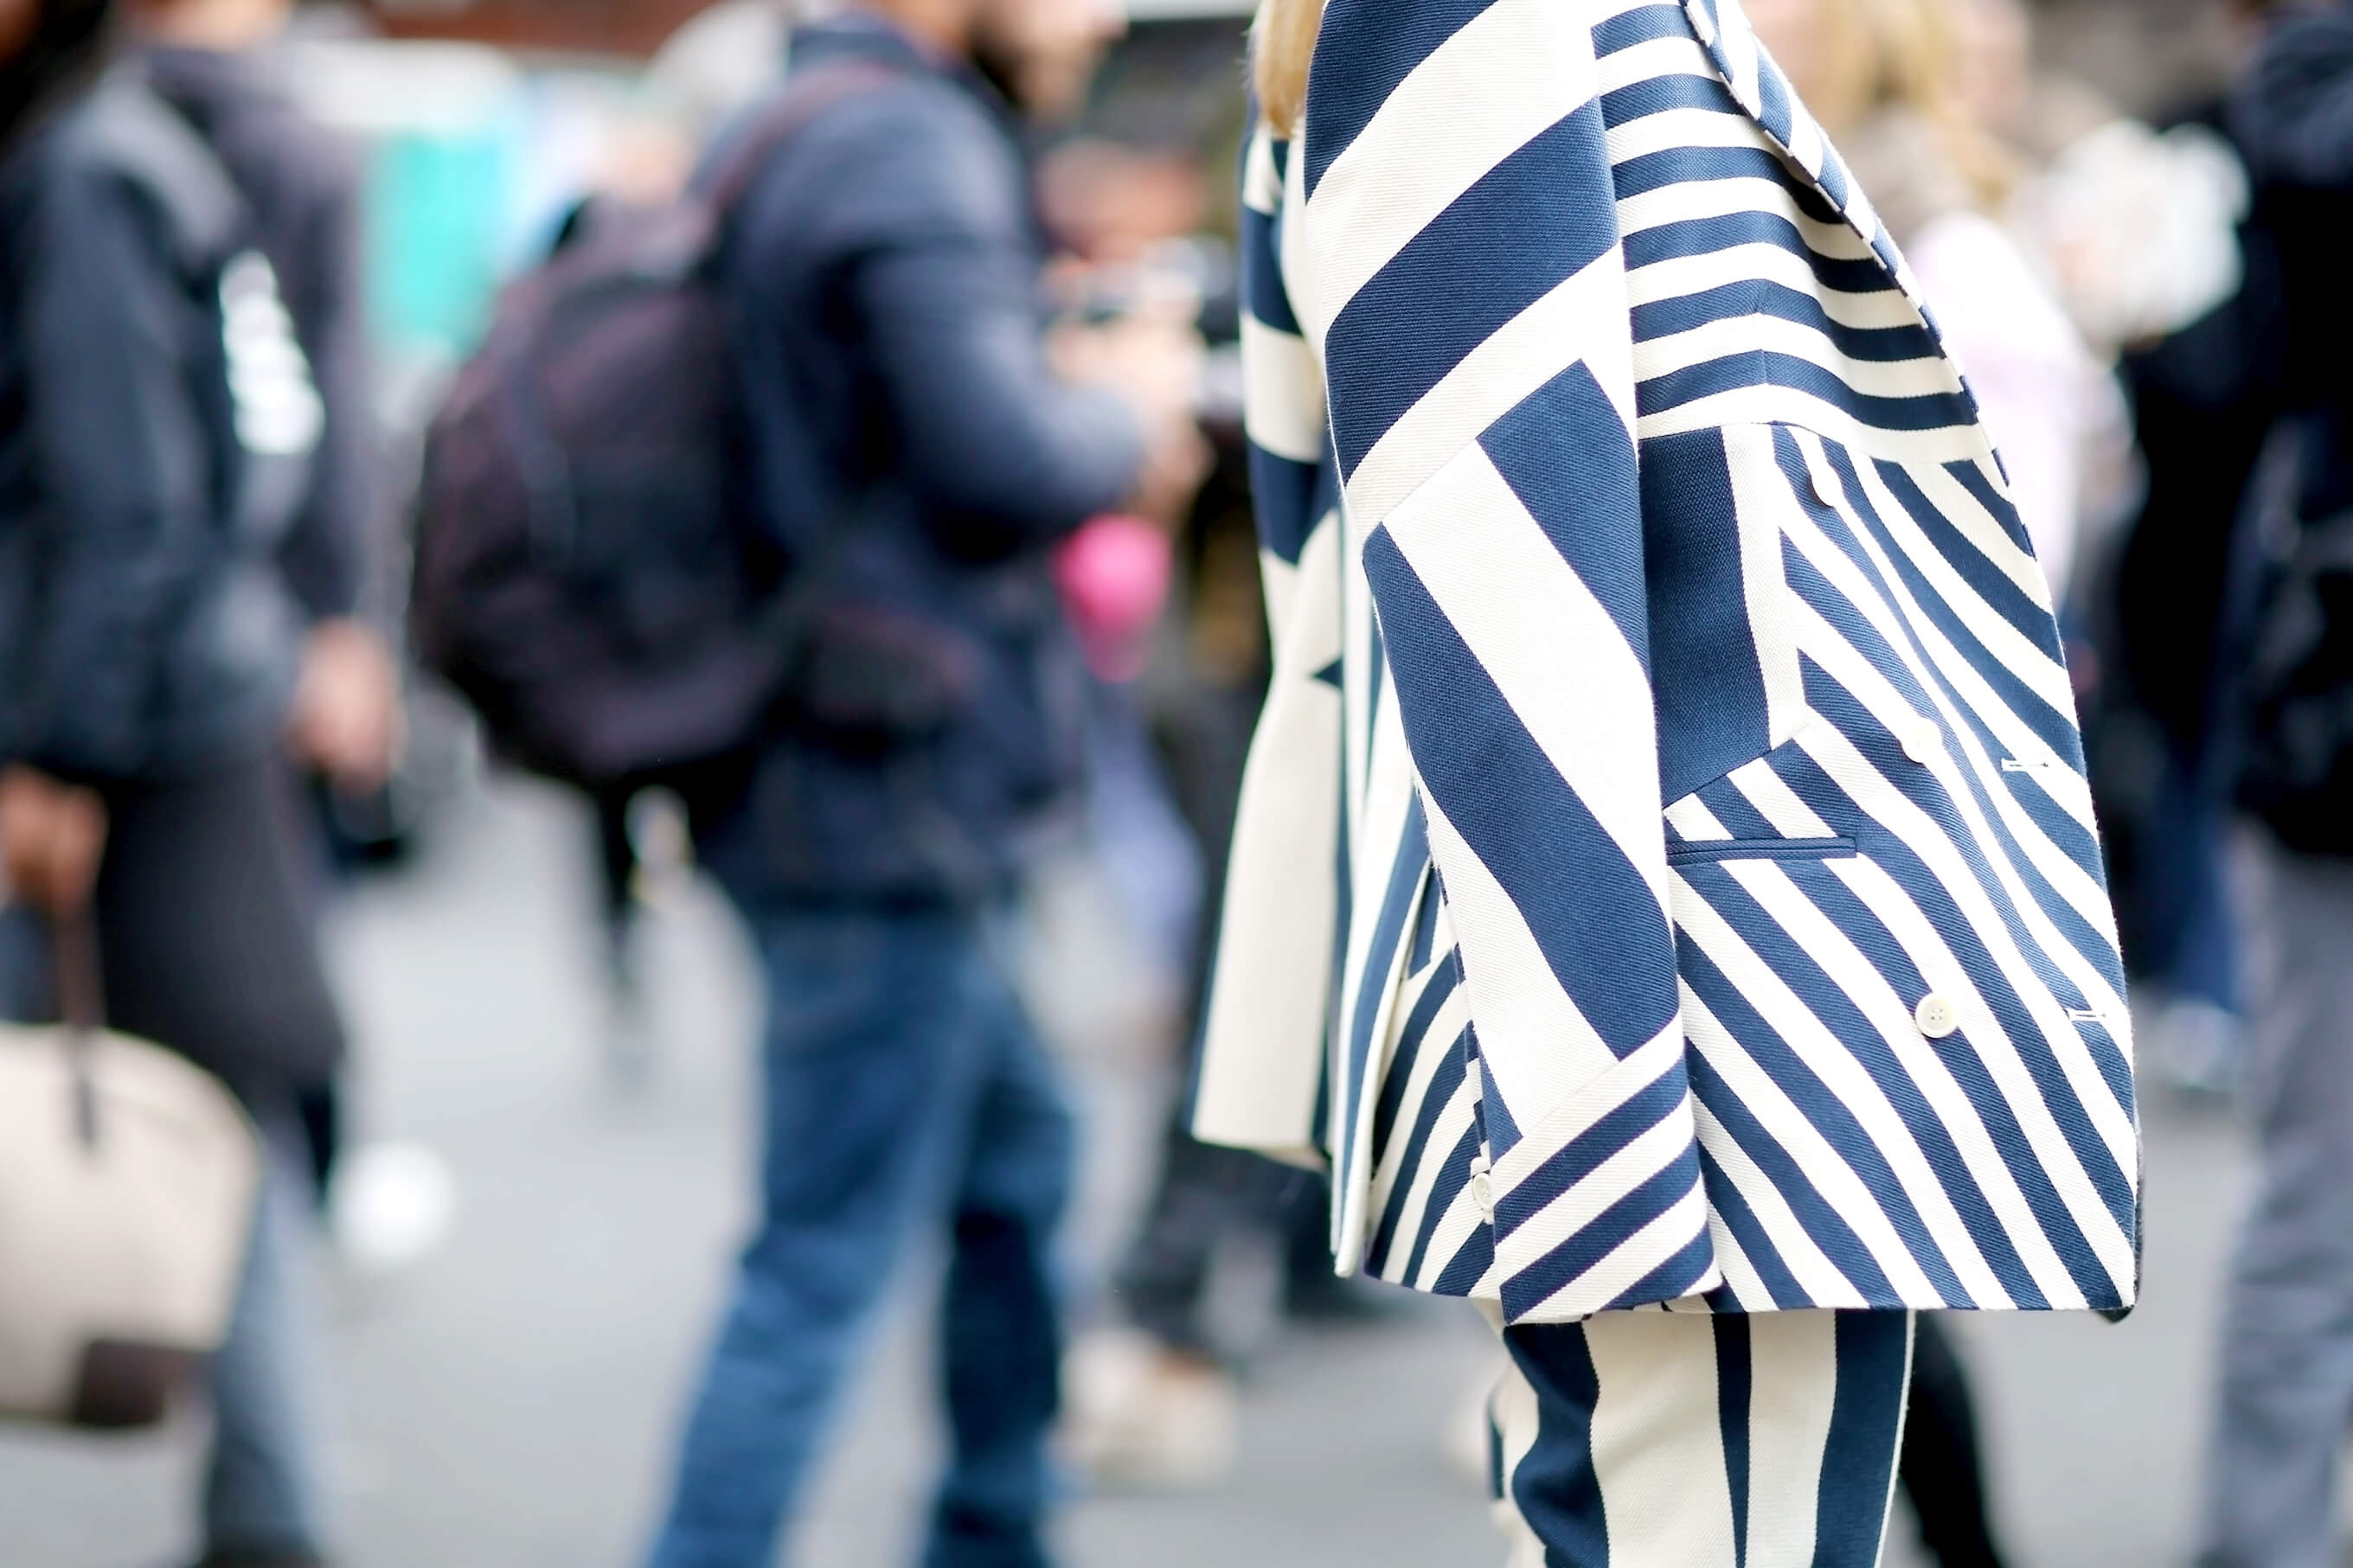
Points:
x=2293 y=674
x=589 y=576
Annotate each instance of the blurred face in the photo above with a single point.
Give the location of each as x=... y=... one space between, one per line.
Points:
x=213 y=23
x=1044 y=51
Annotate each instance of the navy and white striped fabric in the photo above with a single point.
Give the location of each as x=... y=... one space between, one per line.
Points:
x=1656 y=1440
x=1665 y=867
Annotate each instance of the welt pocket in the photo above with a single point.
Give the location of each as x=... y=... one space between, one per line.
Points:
x=1704 y=851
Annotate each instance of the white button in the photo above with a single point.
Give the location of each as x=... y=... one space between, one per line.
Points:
x=1924 y=740
x=1482 y=1187
x=1937 y=1015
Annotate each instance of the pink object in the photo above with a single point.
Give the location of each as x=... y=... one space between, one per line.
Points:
x=1113 y=573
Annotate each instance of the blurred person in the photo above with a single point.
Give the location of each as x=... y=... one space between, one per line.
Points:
x=906 y=421
x=1700 y=746
x=2286 y=1374
x=180 y=599
x=300 y=185
x=2145 y=231
x=1899 y=87
x=2138 y=228
x=2131 y=224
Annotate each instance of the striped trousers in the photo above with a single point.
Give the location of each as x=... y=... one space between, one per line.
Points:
x=1657 y=1439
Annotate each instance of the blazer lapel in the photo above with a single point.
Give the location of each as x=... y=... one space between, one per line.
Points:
x=1761 y=89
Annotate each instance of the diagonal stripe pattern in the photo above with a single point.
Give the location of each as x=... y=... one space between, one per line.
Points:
x=1709 y=901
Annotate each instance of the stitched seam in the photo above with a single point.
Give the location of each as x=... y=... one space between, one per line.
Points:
x=1705 y=851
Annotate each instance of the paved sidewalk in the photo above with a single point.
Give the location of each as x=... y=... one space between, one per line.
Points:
x=507 y=1404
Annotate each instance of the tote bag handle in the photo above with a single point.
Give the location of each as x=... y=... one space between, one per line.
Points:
x=82 y=1002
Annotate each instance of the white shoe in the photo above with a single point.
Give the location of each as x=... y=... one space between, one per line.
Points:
x=1138 y=1414
x=390 y=1205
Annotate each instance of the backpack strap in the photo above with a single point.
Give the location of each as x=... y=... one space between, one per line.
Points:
x=778 y=121
x=150 y=142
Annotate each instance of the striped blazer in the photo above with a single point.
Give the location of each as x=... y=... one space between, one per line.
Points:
x=1666 y=872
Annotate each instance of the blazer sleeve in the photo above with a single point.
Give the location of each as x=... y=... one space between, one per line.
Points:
x=1262 y=1083
x=1463 y=253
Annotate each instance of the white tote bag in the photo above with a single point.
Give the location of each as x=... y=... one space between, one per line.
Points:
x=128 y=1178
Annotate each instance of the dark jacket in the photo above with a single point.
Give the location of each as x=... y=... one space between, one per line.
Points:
x=158 y=429
x=301 y=187
x=2290 y=670
x=886 y=268
x=2204 y=399
x=2292 y=116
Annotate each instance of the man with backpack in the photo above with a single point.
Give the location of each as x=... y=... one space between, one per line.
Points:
x=914 y=455
x=181 y=500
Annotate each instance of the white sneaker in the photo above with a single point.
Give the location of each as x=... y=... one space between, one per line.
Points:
x=390 y=1205
x=1138 y=1414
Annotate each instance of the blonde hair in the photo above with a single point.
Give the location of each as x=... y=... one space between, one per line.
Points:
x=1878 y=54
x=1283 y=46
x=1873 y=55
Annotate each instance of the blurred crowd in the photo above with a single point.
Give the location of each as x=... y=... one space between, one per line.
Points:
x=966 y=704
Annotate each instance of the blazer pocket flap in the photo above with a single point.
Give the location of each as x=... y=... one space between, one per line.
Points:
x=1704 y=851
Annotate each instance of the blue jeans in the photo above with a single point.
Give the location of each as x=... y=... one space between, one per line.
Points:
x=905 y=1091
x=263 y=1492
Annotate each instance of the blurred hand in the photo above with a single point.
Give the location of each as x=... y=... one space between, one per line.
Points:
x=1153 y=361
x=1176 y=459
x=347 y=720
x=52 y=838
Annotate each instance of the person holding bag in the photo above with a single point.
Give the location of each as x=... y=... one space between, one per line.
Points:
x=167 y=662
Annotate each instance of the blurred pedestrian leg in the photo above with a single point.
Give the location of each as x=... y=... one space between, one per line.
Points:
x=905 y=1088
x=204 y=926
x=2191 y=992
x=643 y=853
x=2287 y=1337
x=265 y=1501
x=1205 y=1193
x=917 y=459
x=1656 y=1439
x=1941 y=1471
